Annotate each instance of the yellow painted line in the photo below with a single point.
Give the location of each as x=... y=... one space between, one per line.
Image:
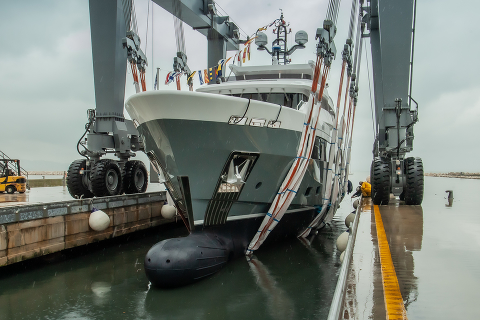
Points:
x=391 y=290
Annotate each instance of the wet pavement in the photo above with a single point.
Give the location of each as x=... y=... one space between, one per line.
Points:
x=49 y=194
x=435 y=252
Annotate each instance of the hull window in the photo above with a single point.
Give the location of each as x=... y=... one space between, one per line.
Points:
x=319 y=151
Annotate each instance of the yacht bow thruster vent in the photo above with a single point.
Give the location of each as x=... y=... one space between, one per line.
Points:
x=229 y=186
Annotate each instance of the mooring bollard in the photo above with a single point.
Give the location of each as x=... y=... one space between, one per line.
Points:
x=449 y=198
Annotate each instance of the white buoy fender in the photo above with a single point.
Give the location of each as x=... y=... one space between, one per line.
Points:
x=355 y=204
x=342 y=241
x=168 y=211
x=342 y=256
x=349 y=219
x=98 y=220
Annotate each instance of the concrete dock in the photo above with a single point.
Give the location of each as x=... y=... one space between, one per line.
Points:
x=29 y=230
x=417 y=262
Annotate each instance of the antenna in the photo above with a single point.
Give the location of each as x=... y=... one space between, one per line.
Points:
x=280 y=53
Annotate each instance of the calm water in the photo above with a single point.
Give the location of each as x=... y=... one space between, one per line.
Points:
x=286 y=281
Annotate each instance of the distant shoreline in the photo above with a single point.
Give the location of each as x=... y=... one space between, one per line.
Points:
x=46 y=173
x=460 y=175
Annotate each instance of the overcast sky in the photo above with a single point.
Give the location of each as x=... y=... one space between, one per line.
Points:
x=46 y=75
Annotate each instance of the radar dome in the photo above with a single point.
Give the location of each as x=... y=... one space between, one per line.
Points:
x=301 y=37
x=261 y=40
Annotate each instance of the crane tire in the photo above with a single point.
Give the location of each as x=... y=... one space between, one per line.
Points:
x=106 y=178
x=380 y=177
x=77 y=183
x=414 y=181
x=136 y=177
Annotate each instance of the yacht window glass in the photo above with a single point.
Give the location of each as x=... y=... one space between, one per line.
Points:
x=319 y=151
x=290 y=100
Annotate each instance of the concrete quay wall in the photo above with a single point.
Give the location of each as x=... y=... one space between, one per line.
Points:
x=35 y=230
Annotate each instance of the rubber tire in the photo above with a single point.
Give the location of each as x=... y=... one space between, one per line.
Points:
x=10 y=189
x=414 y=181
x=98 y=178
x=133 y=168
x=75 y=185
x=380 y=177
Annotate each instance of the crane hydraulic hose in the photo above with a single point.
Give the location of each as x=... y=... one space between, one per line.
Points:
x=87 y=127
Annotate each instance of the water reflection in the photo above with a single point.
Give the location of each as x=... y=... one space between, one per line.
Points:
x=404 y=230
x=101 y=290
x=279 y=304
x=15 y=197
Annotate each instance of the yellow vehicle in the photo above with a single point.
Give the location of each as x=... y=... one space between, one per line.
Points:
x=11 y=181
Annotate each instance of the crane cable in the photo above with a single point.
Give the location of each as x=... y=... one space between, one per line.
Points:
x=330 y=198
x=353 y=15
x=131 y=25
x=356 y=62
x=178 y=25
x=343 y=138
x=180 y=40
x=329 y=179
x=332 y=10
x=297 y=171
x=353 y=113
x=345 y=125
x=142 y=69
x=371 y=101
x=353 y=96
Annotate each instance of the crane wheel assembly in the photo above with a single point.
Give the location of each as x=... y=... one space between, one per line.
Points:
x=77 y=180
x=414 y=181
x=135 y=180
x=106 y=178
x=380 y=177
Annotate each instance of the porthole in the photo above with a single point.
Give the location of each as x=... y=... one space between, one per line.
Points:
x=307 y=192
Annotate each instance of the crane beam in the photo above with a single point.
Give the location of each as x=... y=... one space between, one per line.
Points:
x=201 y=15
x=390 y=25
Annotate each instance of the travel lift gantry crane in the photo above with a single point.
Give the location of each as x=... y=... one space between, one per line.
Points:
x=392 y=34
x=114 y=41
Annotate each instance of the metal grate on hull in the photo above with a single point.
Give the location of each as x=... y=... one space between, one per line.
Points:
x=229 y=186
